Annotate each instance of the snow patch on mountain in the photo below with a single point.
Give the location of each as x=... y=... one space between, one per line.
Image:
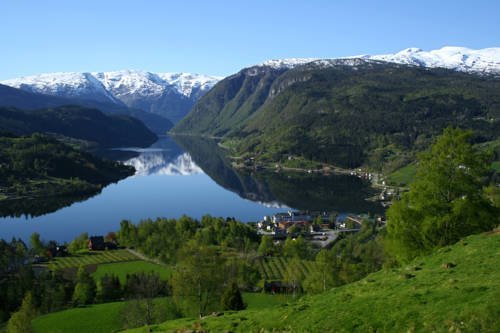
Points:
x=186 y=83
x=287 y=63
x=483 y=61
x=70 y=84
x=114 y=85
x=457 y=58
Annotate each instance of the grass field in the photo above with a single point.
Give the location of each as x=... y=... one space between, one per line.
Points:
x=121 y=269
x=403 y=176
x=273 y=268
x=92 y=258
x=99 y=318
x=456 y=289
x=106 y=318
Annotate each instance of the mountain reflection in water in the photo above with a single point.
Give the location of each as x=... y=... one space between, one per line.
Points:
x=183 y=175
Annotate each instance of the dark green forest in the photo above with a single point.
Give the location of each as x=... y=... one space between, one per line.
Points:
x=80 y=123
x=40 y=166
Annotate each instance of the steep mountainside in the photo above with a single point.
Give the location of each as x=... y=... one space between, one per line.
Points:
x=346 y=112
x=18 y=98
x=170 y=95
x=80 y=123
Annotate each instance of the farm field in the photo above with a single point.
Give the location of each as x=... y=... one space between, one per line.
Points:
x=121 y=269
x=274 y=268
x=91 y=258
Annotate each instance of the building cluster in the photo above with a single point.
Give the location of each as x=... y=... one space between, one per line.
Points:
x=294 y=222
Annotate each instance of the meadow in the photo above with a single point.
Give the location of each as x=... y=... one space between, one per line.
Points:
x=107 y=317
x=122 y=269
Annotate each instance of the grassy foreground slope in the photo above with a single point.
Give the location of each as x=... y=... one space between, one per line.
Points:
x=108 y=317
x=456 y=289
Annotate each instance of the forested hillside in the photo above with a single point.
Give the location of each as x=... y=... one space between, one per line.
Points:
x=80 y=123
x=345 y=113
x=39 y=166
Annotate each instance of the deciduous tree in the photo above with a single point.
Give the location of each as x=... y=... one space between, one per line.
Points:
x=445 y=202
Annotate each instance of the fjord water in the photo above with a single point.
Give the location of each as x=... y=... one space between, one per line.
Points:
x=187 y=176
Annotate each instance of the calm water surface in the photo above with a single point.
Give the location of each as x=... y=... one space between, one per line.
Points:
x=192 y=177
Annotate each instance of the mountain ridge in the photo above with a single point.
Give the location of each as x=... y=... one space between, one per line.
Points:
x=167 y=94
x=485 y=61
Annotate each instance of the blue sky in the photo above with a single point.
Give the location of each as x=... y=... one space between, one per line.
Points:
x=220 y=37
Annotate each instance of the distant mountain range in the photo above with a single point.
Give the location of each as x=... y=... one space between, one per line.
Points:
x=26 y=100
x=170 y=95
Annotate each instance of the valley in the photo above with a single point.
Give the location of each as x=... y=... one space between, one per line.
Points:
x=303 y=194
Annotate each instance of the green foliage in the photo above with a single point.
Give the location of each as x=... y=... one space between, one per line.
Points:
x=324 y=274
x=52 y=291
x=20 y=322
x=16 y=278
x=79 y=243
x=231 y=298
x=266 y=246
x=163 y=238
x=85 y=289
x=36 y=244
x=198 y=281
x=294 y=275
x=445 y=202
x=297 y=248
x=109 y=288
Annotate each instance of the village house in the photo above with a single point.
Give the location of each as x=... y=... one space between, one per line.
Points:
x=96 y=243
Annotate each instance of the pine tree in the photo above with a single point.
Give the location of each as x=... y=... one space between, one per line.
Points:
x=232 y=299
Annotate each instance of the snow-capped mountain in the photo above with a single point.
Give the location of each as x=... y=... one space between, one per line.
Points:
x=167 y=94
x=483 y=61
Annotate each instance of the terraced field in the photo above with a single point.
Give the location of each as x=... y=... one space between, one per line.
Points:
x=92 y=258
x=274 y=268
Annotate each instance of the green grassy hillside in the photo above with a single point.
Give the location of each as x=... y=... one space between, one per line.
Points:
x=456 y=289
x=106 y=318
